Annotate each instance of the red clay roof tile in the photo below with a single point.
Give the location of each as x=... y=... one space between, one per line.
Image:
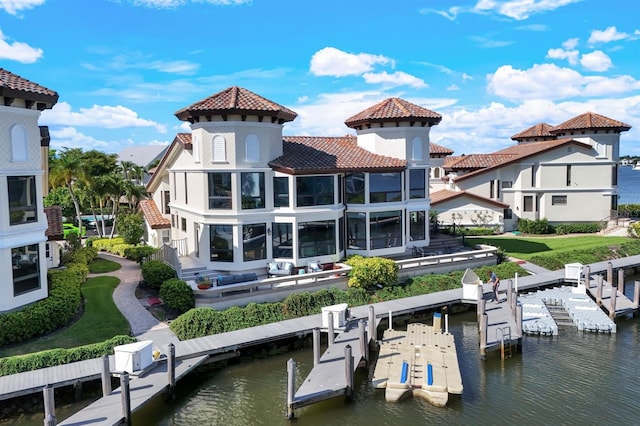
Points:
x=446 y=194
x=392 y=110
x=439 y=149
x=153 y=216
x=54 y=219
x=590 y=120
x=540 y=130
x=12 y=85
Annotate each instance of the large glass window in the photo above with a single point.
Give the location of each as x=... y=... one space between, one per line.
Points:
x=528 y=203
x=281 y=192
x=254 y=241
x=22 y=199
x=221 y=243
x=26 y=269
x=385 y=229
x=417 y=183
x=252 y=190
x=385 y=187
x=314 y=190
x=355 y=188
x=316 y=238
x=220 y=190
x=417 y=225
x=282 y=240
x=357 y=231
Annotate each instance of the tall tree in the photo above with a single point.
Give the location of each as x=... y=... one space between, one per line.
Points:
x=65 y=169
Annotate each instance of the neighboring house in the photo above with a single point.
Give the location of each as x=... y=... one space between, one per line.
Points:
x=566 y=174
x=142 y=157
x=55 y=236
x=22 y=217
x=237 y=194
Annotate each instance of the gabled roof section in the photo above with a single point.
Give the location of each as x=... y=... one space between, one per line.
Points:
x=54 y=230
x=153 y=216
x=13 y=86
x=303 y=155
x=446 y=195
x=393 y=110
x=590 y=121
x=538 y=131
x=181 y=141
x=439 y=149
x=476 y=161
x=235 y=100
x=519 y=152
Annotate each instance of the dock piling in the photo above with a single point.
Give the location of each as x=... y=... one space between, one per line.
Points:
x=372 y=325
x=171 y=371
x=362 y=339
x=390 y=321
x=612 y=306
x=291 y=387
x=446 y=323
x=621 y=280
x=636 y=294
x=331 y=333
x=316 y=346
x=49 y=406
x=483 y=335
x=610 y=273
x=481 y=310
x=348 y=369
x=126 y=398
x=106 y=376
x=519 y=323
x=599 y=284
x=587 y=276
x=510 y=297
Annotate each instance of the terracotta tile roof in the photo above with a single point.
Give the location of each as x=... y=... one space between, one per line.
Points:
x=590 y=120
x=439 y=149
x=476 y=161
x=308 y=155
x=153 y=216
x=184 y=139
x=392 y=110
x=446 y=194
x=518 y=152
x=14 y=86
x=54 y=219
x=235 y=100
x=540 y=130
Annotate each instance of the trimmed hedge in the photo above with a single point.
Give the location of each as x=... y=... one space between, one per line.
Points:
x=556 y=260
x=367 y=272
x=53 y=357
x=55 y=311
x=177 y=295
x=106 y=244
x=200 y=322
x=577 y=228
x=139 y=253
x=155 y=273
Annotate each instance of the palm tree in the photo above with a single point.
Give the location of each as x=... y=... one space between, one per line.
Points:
x=65 y=169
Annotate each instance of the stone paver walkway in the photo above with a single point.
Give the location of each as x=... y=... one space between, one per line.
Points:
x=144 y=326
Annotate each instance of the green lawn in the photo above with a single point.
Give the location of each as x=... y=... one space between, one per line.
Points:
x=100 y=320
x=527 y=247
x=102 y=266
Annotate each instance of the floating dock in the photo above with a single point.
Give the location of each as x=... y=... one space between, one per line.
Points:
x=421 y=361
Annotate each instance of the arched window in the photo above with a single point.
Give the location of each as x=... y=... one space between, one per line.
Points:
x=19 y=147
x=416 y=149
x=219 y=149
x=436 y=172
x=252 y=149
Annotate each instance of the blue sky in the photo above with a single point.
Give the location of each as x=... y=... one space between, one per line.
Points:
x=492 y=68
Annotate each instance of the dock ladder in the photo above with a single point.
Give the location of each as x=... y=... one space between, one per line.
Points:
x=502 y=334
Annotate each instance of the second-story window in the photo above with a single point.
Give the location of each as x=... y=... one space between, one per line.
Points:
x=417 y=183
x=252 y=149
x=23 y=206
x=385 y=187
x=220 y=192
x=252 y=190
x=314 y=191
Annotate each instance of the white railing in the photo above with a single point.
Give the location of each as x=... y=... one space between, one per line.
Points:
x=180 y=246
x=429 y=262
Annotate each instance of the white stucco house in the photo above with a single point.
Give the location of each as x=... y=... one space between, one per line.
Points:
x=566 y=174
x=236 y=194
x=23 y=221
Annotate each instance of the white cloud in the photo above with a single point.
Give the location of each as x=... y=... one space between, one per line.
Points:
x=596 y=61
x=569 y=55
x=17 y=51
x=452 y=87
x=451 y=13
x=466 y=76
x=548 y=81
x=330 y=61
x=398 y=78
x=107 y=117
x=570 y=43
x=165 y=4
x=606 y=36
x=488 y=43
x=520 y=9
x=12 y=7
x=69 y=137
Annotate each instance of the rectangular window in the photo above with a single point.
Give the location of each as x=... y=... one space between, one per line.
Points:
x=614 y=202
x=533 y=176
x=165 y=202
x=417 y=225
x=281 y=192
x=507 y=184
x=23 y=206
x=254 y=242
x=282 y=240
x=385 y=229
x=173 y=220
x=252 y=190
x=569 y=175
x=385 y=187
x=26 y=269
x=558 y=200
x=341 y=234
x=354 y=188
x=314 y=191
x=175 y=188
x=357 y=231
x=528 y=203
x=492 y=185
x=221 y=243
x=508 y=214
x=220 y=190
x=417 y=187
x=316 y=238
x=183 y=223
x=186 y=191
x=614 y=175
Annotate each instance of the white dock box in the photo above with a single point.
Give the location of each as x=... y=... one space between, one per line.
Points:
x=134 y=356
x=471 y=286
x=339 y=312
x=572 y=272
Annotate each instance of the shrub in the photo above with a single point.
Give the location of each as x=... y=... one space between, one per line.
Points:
x=131 y=228
x=89 y=241
x=577 y=228
x=139 y=253
x=177 y=295
x=120 y=249
x=368 y=272
x=539 y=226
x=105 y=244
x=155 y=273
x=557 y=260
x=477 y=232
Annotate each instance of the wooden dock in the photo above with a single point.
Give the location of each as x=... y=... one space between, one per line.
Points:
x=422 y=361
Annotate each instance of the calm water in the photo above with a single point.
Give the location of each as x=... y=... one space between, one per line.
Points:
x=629 y=186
